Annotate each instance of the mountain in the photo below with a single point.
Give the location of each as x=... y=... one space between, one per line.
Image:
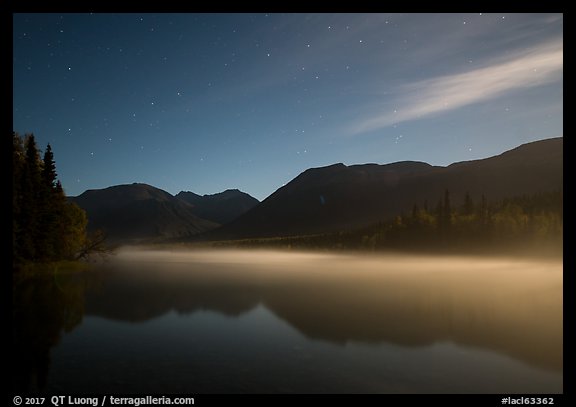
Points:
x=137 y=212
x=337 y=197
x=221 y=208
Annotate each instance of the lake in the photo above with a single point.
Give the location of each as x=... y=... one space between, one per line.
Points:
x=287 y=322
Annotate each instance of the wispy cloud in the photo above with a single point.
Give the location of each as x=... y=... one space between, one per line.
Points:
x=532 y=67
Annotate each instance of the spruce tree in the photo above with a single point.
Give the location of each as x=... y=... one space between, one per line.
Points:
x=49 y=169
x=29 y=204
x=468 y=207
x=46 y=227
x=17 y=168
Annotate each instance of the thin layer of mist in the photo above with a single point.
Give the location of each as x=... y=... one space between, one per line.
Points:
x=512 y=306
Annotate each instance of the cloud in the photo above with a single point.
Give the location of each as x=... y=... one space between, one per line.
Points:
x=533 y=67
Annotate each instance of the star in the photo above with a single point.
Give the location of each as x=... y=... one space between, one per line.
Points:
x=380 y=91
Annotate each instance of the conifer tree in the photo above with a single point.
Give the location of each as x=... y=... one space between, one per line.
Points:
x=46 y=227
x=29 y=203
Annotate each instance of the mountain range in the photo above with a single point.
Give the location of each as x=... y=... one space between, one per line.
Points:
x=137 y=212
x=324 y=199
x=221 y=208
x=338 y=197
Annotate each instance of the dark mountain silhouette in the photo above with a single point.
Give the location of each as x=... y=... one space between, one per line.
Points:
x=337 y=197
x=138 y=212
x=221 y=208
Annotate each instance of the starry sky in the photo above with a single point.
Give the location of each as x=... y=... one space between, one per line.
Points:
x=208 y=102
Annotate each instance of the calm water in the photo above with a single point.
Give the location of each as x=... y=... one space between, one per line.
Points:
x=266 y=322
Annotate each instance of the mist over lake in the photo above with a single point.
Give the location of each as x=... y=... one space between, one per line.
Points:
x=231 y=321
x=286 y=203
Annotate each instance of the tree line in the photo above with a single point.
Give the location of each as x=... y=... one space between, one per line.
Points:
x=45 y=226
x=536 y=218
x=528 y=220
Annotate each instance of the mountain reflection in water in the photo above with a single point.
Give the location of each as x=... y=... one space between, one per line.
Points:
x=506 y=306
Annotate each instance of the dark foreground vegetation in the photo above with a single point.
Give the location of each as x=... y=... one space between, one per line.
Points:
x=45 y=226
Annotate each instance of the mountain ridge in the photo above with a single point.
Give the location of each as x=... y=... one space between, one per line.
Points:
x=222 y=207
x=139 y=212
x=336 y=197
x=322 y=199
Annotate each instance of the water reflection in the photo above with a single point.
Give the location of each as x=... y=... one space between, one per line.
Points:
x=43 y=309
x=508 y=307
x=505 y=306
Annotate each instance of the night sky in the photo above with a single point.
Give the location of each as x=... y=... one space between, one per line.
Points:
x=207 y=102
